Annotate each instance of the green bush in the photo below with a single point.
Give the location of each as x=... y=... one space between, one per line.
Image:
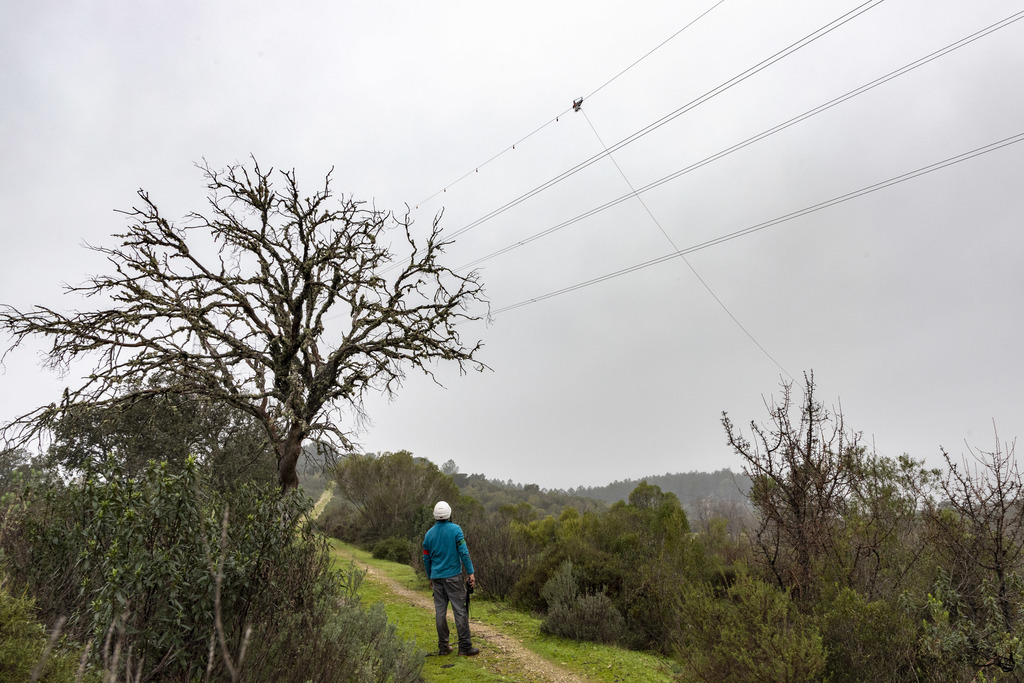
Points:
x=639 y=554
x=502 y=550
x=868 y=640
x=139 y=552
x=573 y=613
x=23 y=645
x=137 y=558
x=751 y=633
x=969 y=637
x=395 y=549
x=332 y=640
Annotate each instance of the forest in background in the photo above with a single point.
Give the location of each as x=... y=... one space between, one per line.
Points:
x=698 y=492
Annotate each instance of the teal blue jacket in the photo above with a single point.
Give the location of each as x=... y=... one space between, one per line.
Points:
x=445 y=552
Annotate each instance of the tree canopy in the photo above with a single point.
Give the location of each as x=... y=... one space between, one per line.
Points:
x=229 y=446
x=288 y=306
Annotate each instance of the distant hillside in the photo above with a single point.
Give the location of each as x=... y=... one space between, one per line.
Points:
x=694 y=490
x=689 y=487
x=494 y=493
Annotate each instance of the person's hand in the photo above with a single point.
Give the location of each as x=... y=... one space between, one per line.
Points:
x=472 y=580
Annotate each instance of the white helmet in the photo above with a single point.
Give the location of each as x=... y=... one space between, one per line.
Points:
x=442 y=510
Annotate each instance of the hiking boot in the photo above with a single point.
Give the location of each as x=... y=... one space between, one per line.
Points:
x=469 y=652
x=444 y=650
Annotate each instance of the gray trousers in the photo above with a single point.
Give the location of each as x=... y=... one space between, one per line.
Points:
x=451 y=590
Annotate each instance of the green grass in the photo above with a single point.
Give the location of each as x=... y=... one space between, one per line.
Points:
x=417 y=624
x=323 y=500
x=590 y=660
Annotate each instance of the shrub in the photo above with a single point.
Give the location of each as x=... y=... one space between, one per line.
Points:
x=501 y=552
x=575 y=614
x=527 y=594
x=138 y=552
x=24 y=644
x=967 y=642
x=753 y=633
x=332 y=640
x=639 y=554
x=395 y=549
x=868 y=640
x=137 y=558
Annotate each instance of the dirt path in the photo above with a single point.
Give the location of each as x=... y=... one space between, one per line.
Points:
x=533 y=665
x=525 y=660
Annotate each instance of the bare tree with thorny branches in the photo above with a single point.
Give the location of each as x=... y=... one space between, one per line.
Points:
x=249 y=326
x=828 y=511
x=800 y=477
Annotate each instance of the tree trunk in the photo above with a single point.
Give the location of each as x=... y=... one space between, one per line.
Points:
x=288 y=452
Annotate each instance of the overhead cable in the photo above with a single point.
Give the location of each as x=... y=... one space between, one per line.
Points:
x=775 y=221
x=689 y=265
x=655 y=49
x=756 y=138
x=526 y=137
x=739 y=78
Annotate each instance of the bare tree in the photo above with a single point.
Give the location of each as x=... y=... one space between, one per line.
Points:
x=250 y=325
x=979 y=531
x=828 y=511
x=800 y=485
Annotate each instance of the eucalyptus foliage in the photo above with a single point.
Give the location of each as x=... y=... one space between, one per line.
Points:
x=145 y=565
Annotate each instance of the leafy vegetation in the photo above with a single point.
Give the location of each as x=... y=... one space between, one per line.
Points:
x=188 y=582
x=574 y=613
x=749 y=632
x=842 y=564
x=26 y=650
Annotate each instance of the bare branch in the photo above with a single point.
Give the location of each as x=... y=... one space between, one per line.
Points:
x=249 y=326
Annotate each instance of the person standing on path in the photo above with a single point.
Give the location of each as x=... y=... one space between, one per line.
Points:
x=445 y=555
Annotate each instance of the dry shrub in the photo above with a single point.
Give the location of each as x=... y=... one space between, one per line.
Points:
x=573 y=613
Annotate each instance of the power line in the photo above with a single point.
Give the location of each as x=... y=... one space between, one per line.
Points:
x=689 y=265
x=476 y=169
x=558 y=116
x=775 y=221
x=803 y=42
x=757 y=138
x=658 y=47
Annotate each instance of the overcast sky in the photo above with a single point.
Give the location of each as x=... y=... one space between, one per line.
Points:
x=906 y=302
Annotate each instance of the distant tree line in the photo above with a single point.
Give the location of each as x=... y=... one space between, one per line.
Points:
x=693 y=489
x=493 y=494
